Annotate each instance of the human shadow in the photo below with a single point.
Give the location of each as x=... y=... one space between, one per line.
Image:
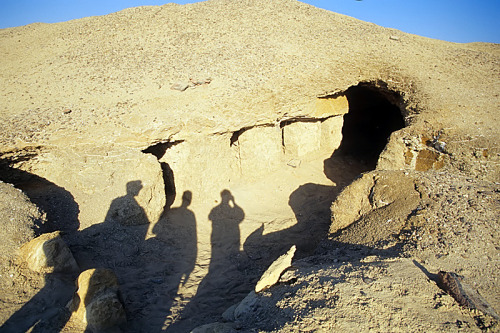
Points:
x=179 y=227
x=224 y=283
x=126 y=210
x=118 y=243
x=311 y=206
x=176 y=235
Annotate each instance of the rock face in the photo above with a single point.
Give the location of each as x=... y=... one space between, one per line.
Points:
x=48 y=253
x=122 y=186
x=374 y=207
x=96 y=303
x=19 y=219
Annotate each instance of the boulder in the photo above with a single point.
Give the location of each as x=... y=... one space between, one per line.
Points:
x=96 y=303
x=246 y=307
x=48 y=253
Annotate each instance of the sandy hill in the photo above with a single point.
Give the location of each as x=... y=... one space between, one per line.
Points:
x=187 y=147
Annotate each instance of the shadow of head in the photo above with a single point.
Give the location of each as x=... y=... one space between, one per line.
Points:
x=187 y=197
x=226 y=196
x=134 y=187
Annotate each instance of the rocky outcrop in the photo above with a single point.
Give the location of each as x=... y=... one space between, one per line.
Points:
x=117 y=186
x=374 y=207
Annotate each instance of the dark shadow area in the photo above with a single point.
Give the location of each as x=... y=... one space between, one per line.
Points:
x=59 y=205
x=177 y=228
x=373 y=115
x=430 y=276
x=158 y=150
x=311 y=205
x=119 y=244
x=46 y=311
x=126 y=210
x=224 y=283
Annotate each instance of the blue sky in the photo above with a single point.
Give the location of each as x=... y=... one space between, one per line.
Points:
x=460 y=21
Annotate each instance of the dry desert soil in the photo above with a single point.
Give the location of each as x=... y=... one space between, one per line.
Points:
x=186 y=148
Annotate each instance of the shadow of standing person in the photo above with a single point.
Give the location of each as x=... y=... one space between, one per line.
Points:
x=311 y=206
x=119 y=244
x=179 y=225
x=223 y=285
x=175 y=239
x=115 y=242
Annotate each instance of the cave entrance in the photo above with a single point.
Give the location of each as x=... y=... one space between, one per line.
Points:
x=374 y=113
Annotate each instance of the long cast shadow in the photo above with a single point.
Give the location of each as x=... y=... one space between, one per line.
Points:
x=224 y=282
x=177 y=228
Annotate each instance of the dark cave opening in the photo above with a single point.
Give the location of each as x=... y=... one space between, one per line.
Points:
x=374 y=113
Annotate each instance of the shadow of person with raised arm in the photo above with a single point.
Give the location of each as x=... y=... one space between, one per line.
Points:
x=222 y=286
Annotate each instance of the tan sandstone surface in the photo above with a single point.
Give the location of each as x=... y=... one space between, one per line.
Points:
x=185 y=148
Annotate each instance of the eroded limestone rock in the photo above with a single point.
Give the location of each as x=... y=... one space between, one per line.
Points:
x=412 y=152
x=48 y=253
x=126 y=186
x=260 y=150
x=374 y=207
x=96 y=303
x=273 y=273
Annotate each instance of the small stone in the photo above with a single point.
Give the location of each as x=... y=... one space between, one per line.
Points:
x=394 y=38
x=273 y=273
x=67 y=111
x=464 y=294
x=181 y=86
